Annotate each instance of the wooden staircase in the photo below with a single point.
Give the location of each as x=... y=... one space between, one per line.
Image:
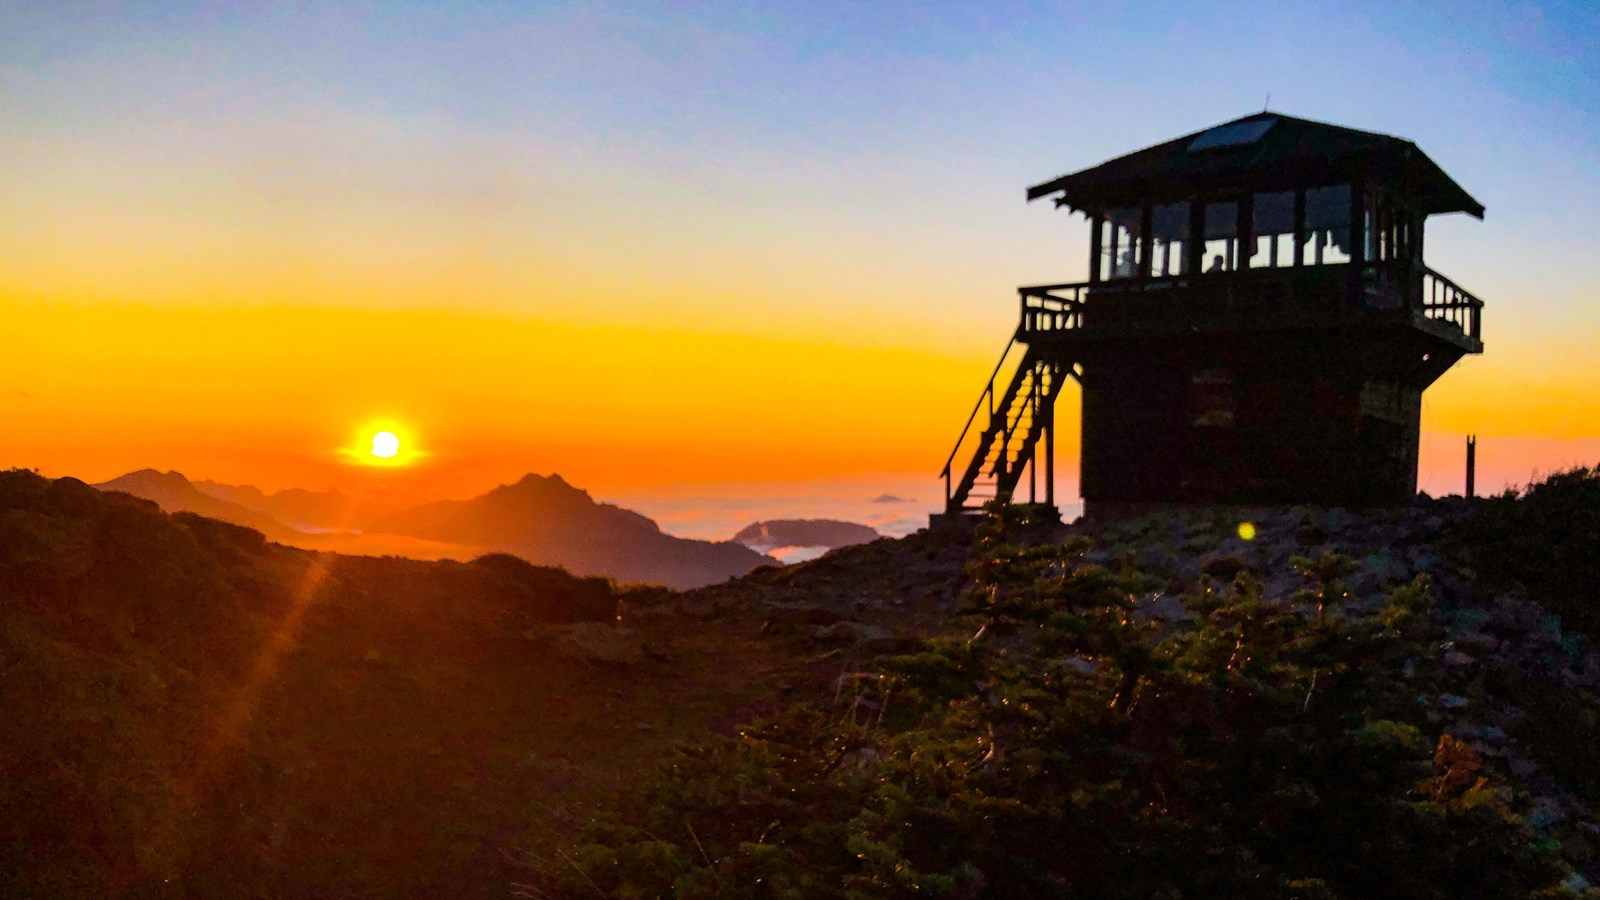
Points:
x=1002 y=436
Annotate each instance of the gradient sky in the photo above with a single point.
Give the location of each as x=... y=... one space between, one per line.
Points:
x=643 y=243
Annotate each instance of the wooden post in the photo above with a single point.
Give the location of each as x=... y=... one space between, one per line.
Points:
x=1033 y=464
x=1358 y=242
x=1146 y=241
x=1299 y=227
x=1472 y=465
x=1195 y=250
x=1050 y=450
x=1095 y=221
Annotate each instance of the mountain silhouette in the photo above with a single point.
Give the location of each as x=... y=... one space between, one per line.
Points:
x=175 y=493
x=543 y=520
x=303 y=509
x=764 y=537
x=547 y=521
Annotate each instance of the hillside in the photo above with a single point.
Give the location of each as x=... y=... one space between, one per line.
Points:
x=548 y=521
x=1396 y=704
x=193 y=711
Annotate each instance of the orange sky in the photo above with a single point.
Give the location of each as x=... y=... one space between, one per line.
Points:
x=719 y=250
x=269 y=395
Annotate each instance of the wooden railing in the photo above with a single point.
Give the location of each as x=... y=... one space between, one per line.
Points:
x=1446 y=301
x=1053 y=307
x=1056 y=308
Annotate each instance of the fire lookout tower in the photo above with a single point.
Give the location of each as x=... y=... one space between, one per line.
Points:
x=1257 y=328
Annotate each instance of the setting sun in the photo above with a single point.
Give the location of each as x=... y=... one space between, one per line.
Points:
x=385 y=444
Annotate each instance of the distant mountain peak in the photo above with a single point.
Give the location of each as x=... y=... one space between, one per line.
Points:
x=831 y=533
x=174 y=492
x=151 y=476
x=554 y=480
x=546 y=520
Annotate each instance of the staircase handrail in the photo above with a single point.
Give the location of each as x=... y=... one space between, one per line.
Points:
x=988 y=392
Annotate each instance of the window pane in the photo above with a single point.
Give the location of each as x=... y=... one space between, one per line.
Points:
x=1221 y=237
x=1169 y=227
x=1120 y=246
x=1273 y=223
x=1328 y=225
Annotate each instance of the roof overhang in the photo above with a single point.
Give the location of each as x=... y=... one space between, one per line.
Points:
x=1263 y=151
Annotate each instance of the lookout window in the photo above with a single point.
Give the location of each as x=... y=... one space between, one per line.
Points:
x=1272 y=228
x=1327 y=236
x=1169 y=226
x=1221 y=237
x=1121 y=242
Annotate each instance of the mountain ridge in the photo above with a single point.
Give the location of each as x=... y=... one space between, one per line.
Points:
x=521 y=518
x=543 y=519
x=174 y=492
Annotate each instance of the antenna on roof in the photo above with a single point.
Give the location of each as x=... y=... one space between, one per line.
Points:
x=1266 y=103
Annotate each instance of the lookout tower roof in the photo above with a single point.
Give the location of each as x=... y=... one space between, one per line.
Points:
x=1266 y=150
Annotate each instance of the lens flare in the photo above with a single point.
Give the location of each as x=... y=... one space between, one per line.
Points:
x=1247 y=530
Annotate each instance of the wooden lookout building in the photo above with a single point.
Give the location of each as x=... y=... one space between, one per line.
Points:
x=1257 y=328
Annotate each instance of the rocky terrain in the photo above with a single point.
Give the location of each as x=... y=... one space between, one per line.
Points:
x=1490 y=707
x=1282 y=703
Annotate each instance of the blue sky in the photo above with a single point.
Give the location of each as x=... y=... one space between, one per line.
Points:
x=838 y=173
x=919 y=123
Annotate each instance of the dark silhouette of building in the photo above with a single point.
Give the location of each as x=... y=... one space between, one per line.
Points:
x=1257 y=328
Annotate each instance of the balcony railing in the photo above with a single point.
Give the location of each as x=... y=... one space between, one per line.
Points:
x=1059 y=308
x=1446 y=301
x=1053 y=307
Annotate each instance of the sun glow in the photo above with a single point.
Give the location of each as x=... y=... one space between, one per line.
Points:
x=385 y=444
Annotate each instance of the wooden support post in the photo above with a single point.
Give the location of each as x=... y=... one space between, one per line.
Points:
x=1033 y=464
x=1195 y=250
x=1245 y=228
x=1050 y=442
x=1299 y=228
x=1472 y=465
x=1050 y=449
x=1146 y=241
x=1358 y=242
x=1095 y=226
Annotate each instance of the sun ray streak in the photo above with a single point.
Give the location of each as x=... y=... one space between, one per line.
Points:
x=239 y=711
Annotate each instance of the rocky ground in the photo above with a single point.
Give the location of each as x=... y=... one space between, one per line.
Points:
x=391 y=674
x=1514 y=678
